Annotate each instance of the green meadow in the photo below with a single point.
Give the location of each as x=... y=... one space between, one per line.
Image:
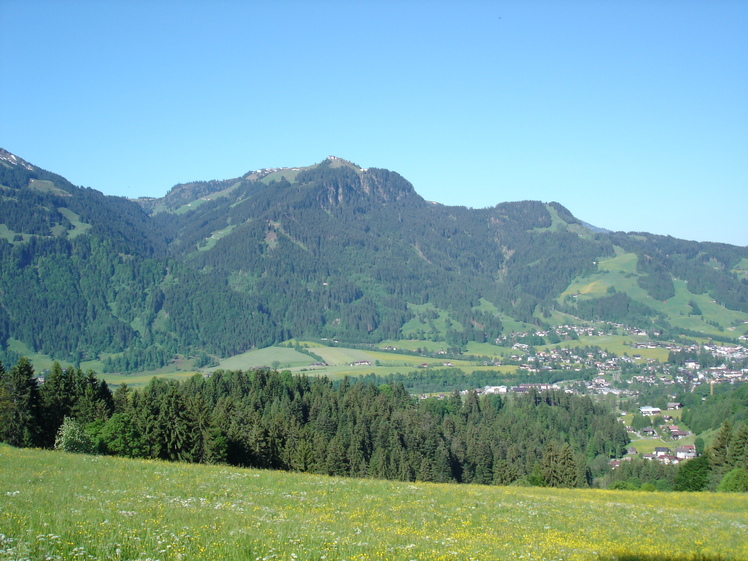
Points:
x=64 y=506
x=282 y=357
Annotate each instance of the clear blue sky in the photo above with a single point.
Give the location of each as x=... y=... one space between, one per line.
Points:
x=632 y=114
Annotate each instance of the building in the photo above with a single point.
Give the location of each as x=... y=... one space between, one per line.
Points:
x=648 y=411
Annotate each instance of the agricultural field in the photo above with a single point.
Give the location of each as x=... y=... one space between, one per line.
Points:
x=282 y=357
x=140 y=379
x=621 y=345
x=64 y=506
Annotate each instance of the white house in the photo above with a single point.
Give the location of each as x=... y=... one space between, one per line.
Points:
x=648 y=411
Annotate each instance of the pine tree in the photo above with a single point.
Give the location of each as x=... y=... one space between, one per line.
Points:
x=121 y=398
x=336 y=462
x=559 y=466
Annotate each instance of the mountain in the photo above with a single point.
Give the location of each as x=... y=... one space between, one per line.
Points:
x=329 y=250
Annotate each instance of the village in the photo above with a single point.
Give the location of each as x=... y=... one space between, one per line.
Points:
x=627 y=381
x=616 y=374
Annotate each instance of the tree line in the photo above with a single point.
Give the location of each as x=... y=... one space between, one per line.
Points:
x=281 y=421
x=276 y=420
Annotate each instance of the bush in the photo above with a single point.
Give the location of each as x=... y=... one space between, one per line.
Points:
x=734 y=481
x=72 y=438
x=624 y=486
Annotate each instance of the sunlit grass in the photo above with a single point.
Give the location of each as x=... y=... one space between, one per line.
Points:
x=62 y=506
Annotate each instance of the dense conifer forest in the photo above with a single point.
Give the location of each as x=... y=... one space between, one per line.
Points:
x=276 y=420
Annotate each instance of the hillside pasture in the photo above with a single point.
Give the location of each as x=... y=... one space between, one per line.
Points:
x=413 y=345
x=64 y=506
x=435 y=328
x=46 y=186
x=741 y=269
x=679 y=311
x=619 y=273
x=286 y=358
x=208 y=243
x=79 y=227
x=288 y=173
x=8 y=234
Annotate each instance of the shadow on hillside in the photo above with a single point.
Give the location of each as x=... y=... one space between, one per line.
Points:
x=625 y=556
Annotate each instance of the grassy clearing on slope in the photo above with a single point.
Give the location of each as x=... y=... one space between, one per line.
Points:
x=63 y=506
x=741 y=269
x=432 y=328
x=679 y=311
x=7 y=234
x=79 y=227
x=45 y=186
x=190 y=206
x=208 y=243
x=619 y=272
x=284 y=356
x=288 y=173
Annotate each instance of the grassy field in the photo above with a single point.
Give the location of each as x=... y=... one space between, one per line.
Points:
x=284 y=357
x=141 y=379
x=63 y=506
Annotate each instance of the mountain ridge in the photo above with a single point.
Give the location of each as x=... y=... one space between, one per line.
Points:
x=329 y=250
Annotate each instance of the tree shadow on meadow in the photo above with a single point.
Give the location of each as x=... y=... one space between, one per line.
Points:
x=626 y=556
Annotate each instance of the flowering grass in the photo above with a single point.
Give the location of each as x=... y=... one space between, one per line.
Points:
x=64 y=506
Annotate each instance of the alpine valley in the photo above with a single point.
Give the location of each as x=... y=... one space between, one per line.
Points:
x=328 y=252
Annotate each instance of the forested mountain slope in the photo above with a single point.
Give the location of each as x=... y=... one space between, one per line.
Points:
x=330 y=250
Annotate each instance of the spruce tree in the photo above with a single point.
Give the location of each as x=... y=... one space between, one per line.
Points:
x=719 y=449
x=23 y=417
x=737 y=453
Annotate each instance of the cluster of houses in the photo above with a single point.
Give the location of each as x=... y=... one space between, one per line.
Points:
x=674 y=431
x=661 y=454
x=487 y=390
x=656 y=373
